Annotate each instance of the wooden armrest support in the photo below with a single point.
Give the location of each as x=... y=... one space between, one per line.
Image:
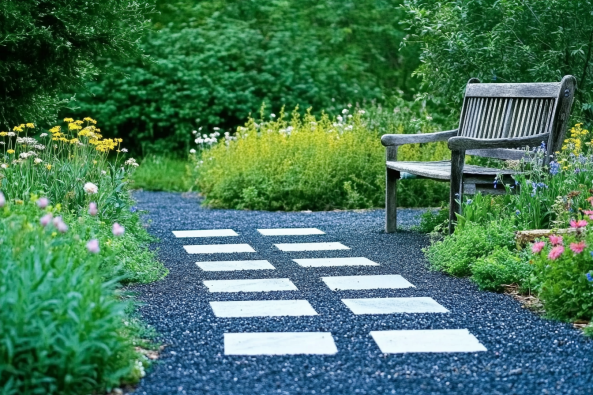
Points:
x=467 y=143
x=401 y=139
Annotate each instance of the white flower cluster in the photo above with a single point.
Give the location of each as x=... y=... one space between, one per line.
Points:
x=131 y=162
x=26 y=155
x=208 y=139
x=43 y=135
x=26 y=141
x=11 y=134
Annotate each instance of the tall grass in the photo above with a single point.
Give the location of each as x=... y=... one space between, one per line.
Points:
x=163 y=173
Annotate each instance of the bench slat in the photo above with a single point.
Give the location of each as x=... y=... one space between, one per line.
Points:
x=532 y=90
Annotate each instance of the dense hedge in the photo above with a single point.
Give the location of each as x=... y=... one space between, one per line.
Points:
x=215 y=62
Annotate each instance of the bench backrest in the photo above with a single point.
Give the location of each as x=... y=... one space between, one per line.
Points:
x=508 y=111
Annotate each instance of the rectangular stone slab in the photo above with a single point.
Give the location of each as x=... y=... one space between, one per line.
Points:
x=228 y=266
x=218 y=248
x=205 y=233
x=389 y=281
x=290 y=232
x=279 y=343
x=311 y=246
x=262 y=308
x=328 y=262
x=394 y=305
x=256 y=285
x=429 y=340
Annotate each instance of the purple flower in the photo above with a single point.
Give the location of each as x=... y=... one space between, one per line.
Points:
x=93 y=246
x=46 y=219
x=118 y=230
x=93 y=209
x=42 y=202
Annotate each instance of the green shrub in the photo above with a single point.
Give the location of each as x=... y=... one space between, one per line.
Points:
x=213 y=63
x=163 y=173
x=565 y=271
x=430 y=219
x=62 y=327
x=52 y=46
x=501 y=267
x=307 y=163
x=456 y=254
x=504 y=41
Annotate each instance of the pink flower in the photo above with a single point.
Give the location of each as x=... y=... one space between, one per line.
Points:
x=57 y=221
x=118 y=230
x=588 y=212
x=556 y=252
x=590 y=199
x=2 y=200
x=46 y=219
x=578 y=224
x=62 y=227
x=577 y=248
x=93 y=246
x=93 y=209
x=42 y=202
x=537 y=247
x=555 y=240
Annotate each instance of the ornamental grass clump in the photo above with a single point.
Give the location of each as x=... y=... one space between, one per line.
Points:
x=303 y=162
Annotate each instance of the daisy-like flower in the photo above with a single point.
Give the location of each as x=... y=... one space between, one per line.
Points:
x=93 y=246
x=91 y=188
x=555 y=240
x=537 y=247
x=577 y=248
x=578 y=224
x=556 y=252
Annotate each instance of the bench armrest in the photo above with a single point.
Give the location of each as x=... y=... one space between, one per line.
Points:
x=401 y=139
x=467 y=143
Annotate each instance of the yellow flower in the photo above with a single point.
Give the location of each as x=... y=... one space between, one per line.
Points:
x=91 y=120
x=10 y=151
x=69 y=120
x=48 y=167
x=17 y=129
x=3 y=134
x=94 y=162
x=55 y=129
x=74 y=126
x=73 y=141
x=30 y=125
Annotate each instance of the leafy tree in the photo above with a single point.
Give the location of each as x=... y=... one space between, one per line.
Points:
x=214 y=62
x=504 y=41
x=51 y=46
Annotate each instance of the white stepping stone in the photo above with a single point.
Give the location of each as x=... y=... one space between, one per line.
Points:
x=290 y=232
x=258 y=285
x=434 y=340
x=279 y=343
x=218 y=248
x=311 y=246
x=394 y=305
x=205 y=233
x=262 y=308
x=338 y=283
x=327 y=262
x=228 y=266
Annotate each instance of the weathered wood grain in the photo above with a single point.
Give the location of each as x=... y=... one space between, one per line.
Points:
x=401 y=139
x=472 y=143
x=530 y=90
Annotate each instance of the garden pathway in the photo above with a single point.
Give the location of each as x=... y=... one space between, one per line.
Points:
x=314 y=303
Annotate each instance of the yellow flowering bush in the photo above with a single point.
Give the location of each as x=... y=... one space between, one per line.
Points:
x=305 y=162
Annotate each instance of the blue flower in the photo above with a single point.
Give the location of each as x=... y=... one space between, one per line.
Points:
x=133 y=209
x=543 y=146
x=469 y=201
x=589 y=277
x=517 y=212
x=554 y=168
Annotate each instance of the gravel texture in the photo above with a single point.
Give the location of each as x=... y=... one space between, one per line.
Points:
x=526 y=354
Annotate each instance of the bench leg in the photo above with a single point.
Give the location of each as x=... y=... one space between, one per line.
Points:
x=456 y=194
x=391 y=200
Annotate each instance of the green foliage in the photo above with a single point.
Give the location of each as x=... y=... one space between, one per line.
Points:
x=214 y=62
x=62 y=328
x=566 y=285
x=430 y=220
x=305 y=163
x=456 y=254
x=504 y=41
x=51 y=46
x=501 y=267
x=163 y=173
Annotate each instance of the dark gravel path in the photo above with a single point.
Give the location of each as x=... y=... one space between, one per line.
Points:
x=526 y=354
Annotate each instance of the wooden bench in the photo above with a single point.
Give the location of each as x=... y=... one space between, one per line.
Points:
x=497 y=121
